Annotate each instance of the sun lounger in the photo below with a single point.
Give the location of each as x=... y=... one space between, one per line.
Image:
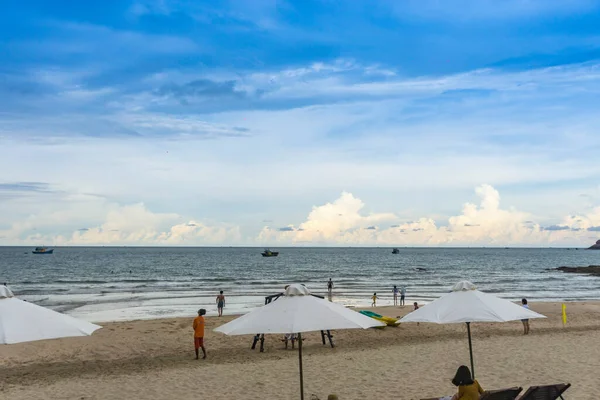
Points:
x=548 y=392
x=502 y=394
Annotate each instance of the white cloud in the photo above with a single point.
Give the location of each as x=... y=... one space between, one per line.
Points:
x=125 y=225
x=325 y=223
x=486 y=223
x=400 y=145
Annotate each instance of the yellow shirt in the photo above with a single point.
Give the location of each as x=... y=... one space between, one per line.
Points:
x=374 y=298
x=199 y=326
x=470 y=392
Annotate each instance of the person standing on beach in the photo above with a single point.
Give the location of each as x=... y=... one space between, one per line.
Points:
x=220 y=303
x=395 y=291
x=525 y=321
x=199 y=333
x=374 y=298
x=330 y=287
x=402 y=295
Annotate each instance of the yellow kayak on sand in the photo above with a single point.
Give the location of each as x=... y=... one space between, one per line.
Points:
x=389 y=321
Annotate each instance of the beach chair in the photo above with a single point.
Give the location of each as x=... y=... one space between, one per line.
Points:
x=548 y=392
x=502 y=394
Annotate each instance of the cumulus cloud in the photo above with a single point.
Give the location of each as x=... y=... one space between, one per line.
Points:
x=485 y=223
x=134 y=225
x=327 y=222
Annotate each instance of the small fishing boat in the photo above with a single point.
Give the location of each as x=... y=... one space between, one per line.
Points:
x=269 y=253
x=395 y=251
x=42 y=250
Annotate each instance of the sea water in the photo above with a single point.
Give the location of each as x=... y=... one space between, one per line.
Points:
x=124 y=283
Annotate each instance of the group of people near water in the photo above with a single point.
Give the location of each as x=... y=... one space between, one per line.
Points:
x=395 y=291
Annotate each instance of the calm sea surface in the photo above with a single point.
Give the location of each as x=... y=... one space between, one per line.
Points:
x=106 y=284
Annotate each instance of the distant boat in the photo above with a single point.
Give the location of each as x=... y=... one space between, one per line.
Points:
x=42 y=250
x=395 y=251
x=269 y=253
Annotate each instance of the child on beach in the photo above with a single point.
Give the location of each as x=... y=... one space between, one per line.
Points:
x=468 y=389
x=395 y=291
x=220 y=303
x=198 y=326
x=374 y=298
x=402 y=296
x=416 y=306
x=525 y=321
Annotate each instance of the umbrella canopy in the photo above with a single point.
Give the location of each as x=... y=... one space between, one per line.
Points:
x=296 y=312
x=466 y=304
x=21 y=321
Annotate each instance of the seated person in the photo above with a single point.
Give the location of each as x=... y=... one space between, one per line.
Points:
x=468 y=389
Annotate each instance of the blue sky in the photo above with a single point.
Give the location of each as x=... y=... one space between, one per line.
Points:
x=292 y=122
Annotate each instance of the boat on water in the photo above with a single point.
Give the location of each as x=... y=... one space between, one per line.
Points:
x=395 y=251
x=269 y=253
x=42 y=250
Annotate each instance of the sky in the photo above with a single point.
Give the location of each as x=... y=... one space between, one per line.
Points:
x=313 y=122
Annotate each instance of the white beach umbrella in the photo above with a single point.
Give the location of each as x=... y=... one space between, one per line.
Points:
x=297 y=312
x=466 y=304
x=21 y=321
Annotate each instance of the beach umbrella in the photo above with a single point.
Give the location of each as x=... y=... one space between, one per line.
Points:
x=21 y=321
x=466 y=304
x=295 y=313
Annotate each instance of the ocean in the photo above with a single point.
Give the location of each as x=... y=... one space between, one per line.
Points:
x=125 y=283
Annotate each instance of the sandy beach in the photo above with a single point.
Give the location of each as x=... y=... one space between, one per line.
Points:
x=154 y=359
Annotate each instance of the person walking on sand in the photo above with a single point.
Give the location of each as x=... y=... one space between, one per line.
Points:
x=374 y=298
x=220 y=303
x=402 y=295
x=525 y=321
x=395 y=291
x=199 y=333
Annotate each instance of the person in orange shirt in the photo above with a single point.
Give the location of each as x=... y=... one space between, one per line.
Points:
x=199 y=332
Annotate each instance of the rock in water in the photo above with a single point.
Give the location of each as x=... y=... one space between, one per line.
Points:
x=589 y=270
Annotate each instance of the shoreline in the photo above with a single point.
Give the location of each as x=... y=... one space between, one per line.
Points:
x=379 y=309
x=155 y=357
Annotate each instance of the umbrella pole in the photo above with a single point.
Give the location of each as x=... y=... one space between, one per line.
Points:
x=470 y=350
x=300 y=364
